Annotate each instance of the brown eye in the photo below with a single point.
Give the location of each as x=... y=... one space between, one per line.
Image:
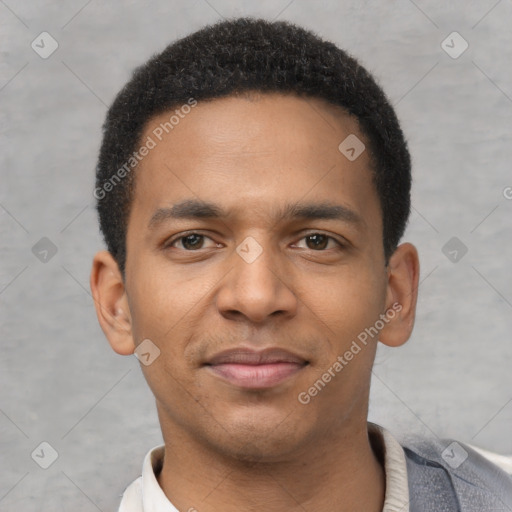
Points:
x=190 y=242
x=317 y=241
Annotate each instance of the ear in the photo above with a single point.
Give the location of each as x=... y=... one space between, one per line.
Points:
x=111 y=303
x=402 y=295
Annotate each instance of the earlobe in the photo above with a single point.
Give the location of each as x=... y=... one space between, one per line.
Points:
x=402 y=294
x=111 y=303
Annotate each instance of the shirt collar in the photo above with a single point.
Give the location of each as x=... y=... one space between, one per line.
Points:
x=395 y=467
x=146 y=495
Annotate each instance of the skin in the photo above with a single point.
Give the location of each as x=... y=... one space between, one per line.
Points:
x=229 y=448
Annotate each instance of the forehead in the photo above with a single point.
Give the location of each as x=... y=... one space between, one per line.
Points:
x=253 y=155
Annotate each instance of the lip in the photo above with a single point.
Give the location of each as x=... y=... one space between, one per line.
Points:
x=252 y=369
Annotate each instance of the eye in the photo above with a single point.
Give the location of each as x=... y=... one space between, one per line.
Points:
x=319 y=241
x=194 y=241
x=190 y=242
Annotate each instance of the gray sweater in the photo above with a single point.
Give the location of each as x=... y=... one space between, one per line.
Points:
x=445 y=476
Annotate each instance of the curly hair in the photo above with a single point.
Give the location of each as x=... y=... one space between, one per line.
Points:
x=240 y=56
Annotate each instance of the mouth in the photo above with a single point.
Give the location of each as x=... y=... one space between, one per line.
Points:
x=256 y=369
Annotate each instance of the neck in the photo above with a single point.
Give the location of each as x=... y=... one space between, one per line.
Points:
x=337 y=472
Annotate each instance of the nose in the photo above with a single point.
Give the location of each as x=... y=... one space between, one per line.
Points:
x=257 y=287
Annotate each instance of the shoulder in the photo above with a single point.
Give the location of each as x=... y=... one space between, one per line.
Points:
x=145 y=493
x=132 y=497
x=449 y=475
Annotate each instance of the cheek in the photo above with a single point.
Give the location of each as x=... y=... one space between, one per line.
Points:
x=165 y=310
x=343 y=310
x=346 y=302
x=158 y=301
x=168 y=305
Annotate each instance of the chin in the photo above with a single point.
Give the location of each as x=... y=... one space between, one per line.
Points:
x=258 y=451
x=267 y=438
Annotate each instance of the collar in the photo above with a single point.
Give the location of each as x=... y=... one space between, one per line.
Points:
x=395 y=467
x=146 y=495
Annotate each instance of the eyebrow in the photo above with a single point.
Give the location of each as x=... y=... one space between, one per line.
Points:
x=197 y=209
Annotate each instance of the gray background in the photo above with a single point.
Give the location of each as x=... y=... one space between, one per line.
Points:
x=59 y=380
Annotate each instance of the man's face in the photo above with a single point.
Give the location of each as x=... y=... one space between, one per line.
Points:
x=252 y=280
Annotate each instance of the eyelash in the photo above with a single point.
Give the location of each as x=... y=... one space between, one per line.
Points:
x=170 y=243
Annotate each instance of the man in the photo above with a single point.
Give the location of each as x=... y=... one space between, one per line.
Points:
x=253 y=186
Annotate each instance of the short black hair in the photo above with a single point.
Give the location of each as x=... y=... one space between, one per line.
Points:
x=239 y=56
